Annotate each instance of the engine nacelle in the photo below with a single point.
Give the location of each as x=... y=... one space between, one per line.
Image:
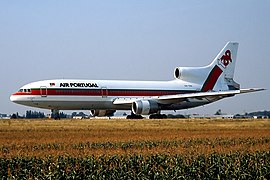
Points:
x=191 y=73
x=145 y=107
x=101 y=113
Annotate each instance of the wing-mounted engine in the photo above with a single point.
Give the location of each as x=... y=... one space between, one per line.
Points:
x=191 y=74
x=145 y=107
x=101 y=113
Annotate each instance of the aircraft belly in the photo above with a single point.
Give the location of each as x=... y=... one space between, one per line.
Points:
x=76 y=103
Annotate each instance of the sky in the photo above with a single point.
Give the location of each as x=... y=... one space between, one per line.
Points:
x=133 y=40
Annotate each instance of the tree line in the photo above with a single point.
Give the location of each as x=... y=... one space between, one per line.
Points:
x=39 y=115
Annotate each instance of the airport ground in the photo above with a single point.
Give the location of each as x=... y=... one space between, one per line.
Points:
x=119 y=136
x=135 y=149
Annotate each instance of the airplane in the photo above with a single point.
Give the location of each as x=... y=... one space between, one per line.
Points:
x=191 y=87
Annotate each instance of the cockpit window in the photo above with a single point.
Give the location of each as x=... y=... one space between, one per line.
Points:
x=25 y=90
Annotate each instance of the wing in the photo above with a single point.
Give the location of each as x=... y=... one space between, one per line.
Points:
x=169 y=99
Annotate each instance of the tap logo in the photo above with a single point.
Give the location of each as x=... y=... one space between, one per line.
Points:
x=52 y=84
x=226 y=59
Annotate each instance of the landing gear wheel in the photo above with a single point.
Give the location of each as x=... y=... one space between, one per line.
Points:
x=164 y=116
x=134 y=116
x=158 y=116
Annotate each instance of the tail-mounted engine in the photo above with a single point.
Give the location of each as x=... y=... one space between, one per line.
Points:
x=194 y=74
x=145 y=107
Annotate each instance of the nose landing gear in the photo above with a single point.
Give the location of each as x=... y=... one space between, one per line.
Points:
x=55 y=114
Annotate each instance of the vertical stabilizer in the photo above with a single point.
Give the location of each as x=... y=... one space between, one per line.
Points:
x=226 y=59
x=222 y=68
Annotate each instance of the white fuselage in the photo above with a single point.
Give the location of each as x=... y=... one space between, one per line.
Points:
x=67 y=94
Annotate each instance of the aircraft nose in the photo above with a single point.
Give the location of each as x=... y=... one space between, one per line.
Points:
x=13 y=98
x=17 y=99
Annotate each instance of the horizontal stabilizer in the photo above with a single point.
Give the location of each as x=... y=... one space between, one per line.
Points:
x=251 y=90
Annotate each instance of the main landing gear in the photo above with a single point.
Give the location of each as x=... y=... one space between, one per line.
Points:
x=55 y=114
x=134 y=116
x=151 y=116
x=158 y=116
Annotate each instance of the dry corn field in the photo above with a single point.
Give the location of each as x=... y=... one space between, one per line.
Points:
x=136 y=149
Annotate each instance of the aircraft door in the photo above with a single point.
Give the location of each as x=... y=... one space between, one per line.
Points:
x=104 y=92
x=43 y=91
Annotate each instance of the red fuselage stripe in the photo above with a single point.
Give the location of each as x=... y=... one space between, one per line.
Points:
x=100 y=92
